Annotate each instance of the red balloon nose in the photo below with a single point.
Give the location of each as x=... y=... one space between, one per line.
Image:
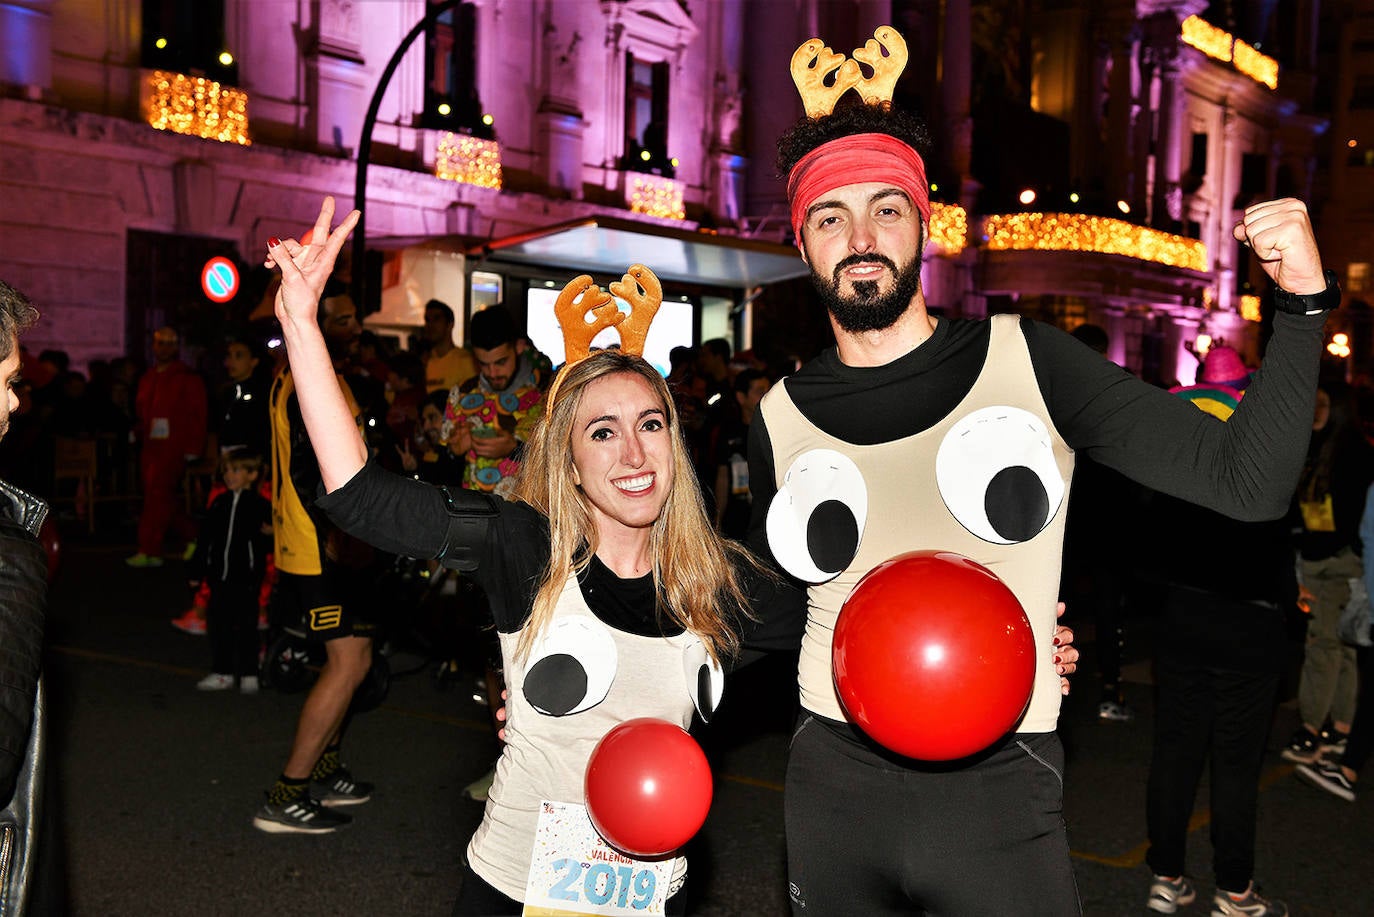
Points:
x=933 y=656
x=648 y=787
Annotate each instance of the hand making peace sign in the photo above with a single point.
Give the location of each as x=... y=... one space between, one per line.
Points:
x=305 y=266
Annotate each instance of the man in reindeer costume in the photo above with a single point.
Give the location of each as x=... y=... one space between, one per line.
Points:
x=925 y=433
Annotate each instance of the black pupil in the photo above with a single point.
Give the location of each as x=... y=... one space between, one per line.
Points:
x=556 y=684
x=1016 y=503
x=832 y=536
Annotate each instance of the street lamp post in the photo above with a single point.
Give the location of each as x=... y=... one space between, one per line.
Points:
x=359 y=288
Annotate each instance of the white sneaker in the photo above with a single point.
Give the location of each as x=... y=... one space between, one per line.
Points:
x=1167 y=895
x=215 y=681
x=248 y=684
x=1251 y=905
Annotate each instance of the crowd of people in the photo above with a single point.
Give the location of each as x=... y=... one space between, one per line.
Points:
x=673 y=519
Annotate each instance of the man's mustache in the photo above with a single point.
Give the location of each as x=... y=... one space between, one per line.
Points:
x=853 y=260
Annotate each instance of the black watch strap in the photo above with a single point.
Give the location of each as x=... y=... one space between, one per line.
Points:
x=1303 y=303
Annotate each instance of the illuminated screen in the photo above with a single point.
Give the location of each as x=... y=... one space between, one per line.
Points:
x=672 y=327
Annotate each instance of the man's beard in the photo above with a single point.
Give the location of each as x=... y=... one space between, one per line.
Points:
x=867 y=309
x=341 y=349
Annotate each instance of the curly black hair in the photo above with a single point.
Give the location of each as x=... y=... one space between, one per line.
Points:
x=17 y=315
x=809 y=133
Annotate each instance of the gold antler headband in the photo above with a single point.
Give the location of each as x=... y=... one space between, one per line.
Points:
x=814 y=61
x=581 y=297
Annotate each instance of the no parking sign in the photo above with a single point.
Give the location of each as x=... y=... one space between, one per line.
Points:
x=219 y=279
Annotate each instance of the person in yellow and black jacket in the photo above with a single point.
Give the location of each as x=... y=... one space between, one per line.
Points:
x=321 y=578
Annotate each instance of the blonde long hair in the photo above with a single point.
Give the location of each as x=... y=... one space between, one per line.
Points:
x=693 y=565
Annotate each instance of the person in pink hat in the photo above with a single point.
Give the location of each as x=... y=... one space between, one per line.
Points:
x=1225 y=588
x=1221 y=382
x=1223 y=366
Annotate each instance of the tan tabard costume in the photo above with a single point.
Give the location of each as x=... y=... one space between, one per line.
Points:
x=545 y=757
x=909 y=508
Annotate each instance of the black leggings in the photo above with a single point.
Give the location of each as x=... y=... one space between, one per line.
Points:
x=871 y=833
x=478 y=897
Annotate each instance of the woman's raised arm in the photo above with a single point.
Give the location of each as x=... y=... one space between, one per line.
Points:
x=339 y=447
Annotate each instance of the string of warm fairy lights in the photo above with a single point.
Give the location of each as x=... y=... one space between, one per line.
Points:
x=1221 y=45
x=655 y=196
x=948 y=228
x=469 y=160
x=201 y=107
x=1078 y=233
x=196 y=106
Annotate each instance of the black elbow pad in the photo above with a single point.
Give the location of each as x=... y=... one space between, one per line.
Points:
x=469 y=515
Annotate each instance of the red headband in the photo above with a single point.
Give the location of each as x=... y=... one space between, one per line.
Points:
x=851 y=160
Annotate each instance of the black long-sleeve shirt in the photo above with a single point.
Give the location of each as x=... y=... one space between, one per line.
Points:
x=405 y=516
x=1245 y=468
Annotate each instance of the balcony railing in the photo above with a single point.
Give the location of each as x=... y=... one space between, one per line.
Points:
x=470 y=160
x=654 y=196
x=948 y=228
x=1072 y=232
x=196 y=106
x=1221 y=45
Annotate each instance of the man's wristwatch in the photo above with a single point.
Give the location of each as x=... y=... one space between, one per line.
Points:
x=1307 y=303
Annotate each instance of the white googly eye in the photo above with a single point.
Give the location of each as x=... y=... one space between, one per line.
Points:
x=571 y=666
x=997 y=474
x=817 y=518
x=705 y=679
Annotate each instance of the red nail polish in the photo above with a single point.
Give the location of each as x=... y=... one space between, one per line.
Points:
x=273 y=242
x=1057 y=660
x=1056 y=641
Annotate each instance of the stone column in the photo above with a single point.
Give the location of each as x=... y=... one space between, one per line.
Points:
x=1166 y=200
x=26 y=45
x=1229 y=273
x=728 y=165
x=1119 y=329
x=559 y=124
x=956 y=61
x=559 y=136
x=1179 y=333
x=1119 y=178
x=613 y=52
x=1142 y=133
x=336 y=78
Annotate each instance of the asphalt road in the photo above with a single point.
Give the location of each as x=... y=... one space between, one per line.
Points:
x=157 y=782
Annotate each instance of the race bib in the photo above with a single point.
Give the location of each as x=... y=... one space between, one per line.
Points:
x=573 y=871
x=160 y=428
x=739 y=475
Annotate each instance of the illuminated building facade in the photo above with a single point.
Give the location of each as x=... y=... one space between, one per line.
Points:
x=138 y=139
x=1089 y=161
x=1101 y=153
x=1345 y=173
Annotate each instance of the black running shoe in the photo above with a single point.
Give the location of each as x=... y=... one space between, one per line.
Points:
x=1303 y=748
x=1327 y=776
x=340 y=789
x=303 y=816
x=1331 y=743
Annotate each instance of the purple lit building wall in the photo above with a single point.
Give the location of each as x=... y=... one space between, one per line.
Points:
x=1136 y=111
x=93 y=195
